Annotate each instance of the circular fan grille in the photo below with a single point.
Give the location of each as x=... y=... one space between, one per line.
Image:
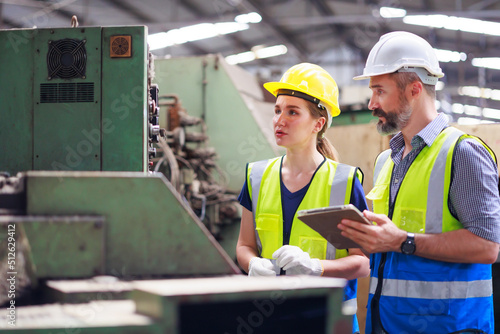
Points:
x=120 y=46
x=67 y=59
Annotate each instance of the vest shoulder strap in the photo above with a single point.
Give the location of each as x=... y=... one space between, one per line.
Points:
x=379 y=163
x=343 y=182
x=255 y=172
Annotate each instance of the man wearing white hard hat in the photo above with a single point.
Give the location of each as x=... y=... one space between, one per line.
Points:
x=435 y=204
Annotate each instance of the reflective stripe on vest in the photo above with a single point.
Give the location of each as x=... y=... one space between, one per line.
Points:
x=433 y=290
x=338 y=191
x=255 y=179
x=338 y=197
x=437 y=179
x=382 y=158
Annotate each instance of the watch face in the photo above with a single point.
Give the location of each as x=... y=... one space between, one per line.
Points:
x=408 y=247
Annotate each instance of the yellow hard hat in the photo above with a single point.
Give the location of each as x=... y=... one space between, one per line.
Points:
x=311 y=80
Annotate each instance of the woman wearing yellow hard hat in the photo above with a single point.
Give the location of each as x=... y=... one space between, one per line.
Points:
x=272 y=239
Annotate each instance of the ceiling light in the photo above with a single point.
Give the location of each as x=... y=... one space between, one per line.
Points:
x=271 y=51
x=446 y=56
x=491 y=113
x=391 y=12
x=472 y=91
x=252 y=17
x=490 y=62
x=472 y=110
x=479 y=92
x=257 y=52
x=495 y=94
x=466 y=109
x=243 y=57
x=159 y=41
x=224 y=28
x=457 y=108
x=454 y=23
x=476 y=112
x=193 y=33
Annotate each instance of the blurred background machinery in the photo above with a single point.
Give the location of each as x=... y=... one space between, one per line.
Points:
x=216 y=122
x=109 y=218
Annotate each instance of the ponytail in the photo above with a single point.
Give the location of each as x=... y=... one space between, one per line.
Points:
x=326 y=148
x=323 y=145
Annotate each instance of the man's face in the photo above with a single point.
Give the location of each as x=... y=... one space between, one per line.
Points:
x=389 y=104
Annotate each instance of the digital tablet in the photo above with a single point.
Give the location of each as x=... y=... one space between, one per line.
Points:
x=325 y=221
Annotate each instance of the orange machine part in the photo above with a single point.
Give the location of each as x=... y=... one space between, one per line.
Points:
x=120 y=46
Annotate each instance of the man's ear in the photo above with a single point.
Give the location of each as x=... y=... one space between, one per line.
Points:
x=416 y=88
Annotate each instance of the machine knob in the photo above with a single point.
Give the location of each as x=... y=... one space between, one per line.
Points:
x=154 y=130
x=152 y=152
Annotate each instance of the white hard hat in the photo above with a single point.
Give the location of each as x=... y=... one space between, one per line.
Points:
x=401 y=51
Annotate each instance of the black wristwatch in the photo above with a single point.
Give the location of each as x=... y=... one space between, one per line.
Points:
x=408 y=246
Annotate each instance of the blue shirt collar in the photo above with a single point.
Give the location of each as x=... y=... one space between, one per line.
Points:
x=427 y=134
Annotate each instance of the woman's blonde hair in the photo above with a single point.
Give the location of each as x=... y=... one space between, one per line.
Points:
x=323 y=145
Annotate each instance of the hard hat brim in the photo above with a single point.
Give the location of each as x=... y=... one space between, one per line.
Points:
x=363 y=77
x=369 y=75
x=274 y=87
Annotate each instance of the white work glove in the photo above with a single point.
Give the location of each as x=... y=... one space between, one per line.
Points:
x=297 y=262
x=261 y=267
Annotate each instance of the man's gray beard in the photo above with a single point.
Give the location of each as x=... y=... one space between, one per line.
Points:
x=395 y=122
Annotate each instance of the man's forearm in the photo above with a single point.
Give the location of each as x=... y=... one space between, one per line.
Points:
x=460 y=246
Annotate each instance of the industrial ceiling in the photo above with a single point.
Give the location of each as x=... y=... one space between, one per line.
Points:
x=337 y=35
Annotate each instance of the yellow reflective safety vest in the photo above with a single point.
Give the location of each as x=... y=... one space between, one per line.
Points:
x=416 y=294
x=331 y=185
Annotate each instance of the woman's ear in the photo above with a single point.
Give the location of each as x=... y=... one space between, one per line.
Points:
x=320 y=122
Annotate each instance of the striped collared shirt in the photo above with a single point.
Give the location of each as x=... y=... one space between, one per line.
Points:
x=474 y=198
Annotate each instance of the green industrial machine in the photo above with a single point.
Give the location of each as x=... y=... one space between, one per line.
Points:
x=97 y=235
x=121 y=252
x=75 y=99
x=122 y=229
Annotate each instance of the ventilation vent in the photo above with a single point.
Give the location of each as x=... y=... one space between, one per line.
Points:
x=67 y=92
x=120 y=46
x=67 y=59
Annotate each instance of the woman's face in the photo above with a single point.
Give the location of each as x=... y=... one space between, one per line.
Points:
x=293 y=124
